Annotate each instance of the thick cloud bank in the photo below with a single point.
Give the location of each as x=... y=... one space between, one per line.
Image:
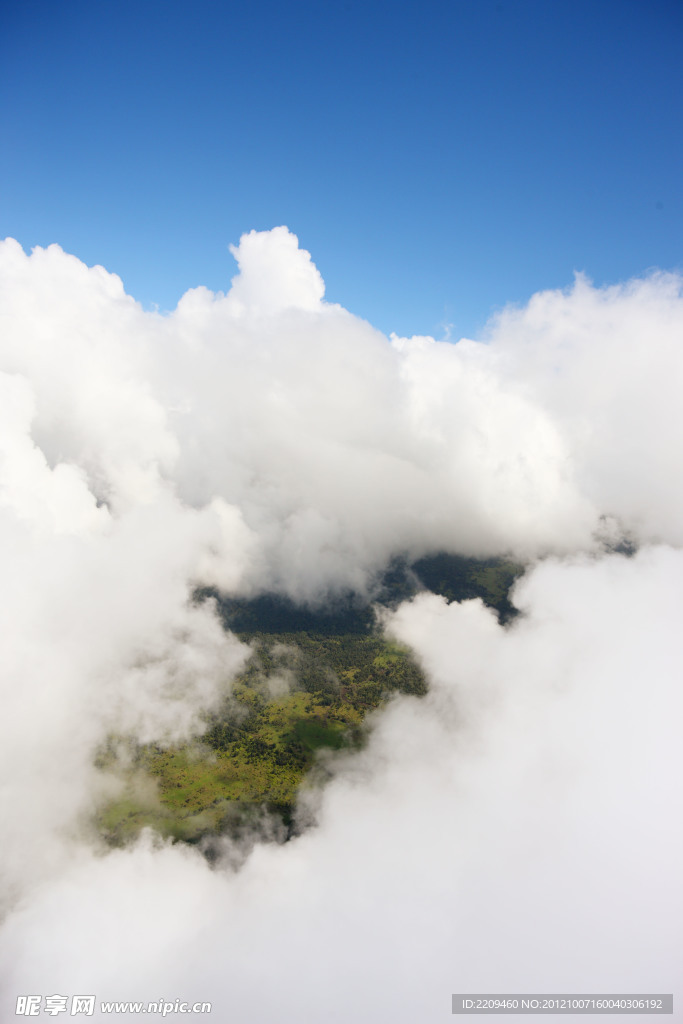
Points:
x=332 y=447
x=517 y=829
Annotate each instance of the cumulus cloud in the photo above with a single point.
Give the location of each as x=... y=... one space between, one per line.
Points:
x=515 y=829
x=607 y=366
x=339 y=448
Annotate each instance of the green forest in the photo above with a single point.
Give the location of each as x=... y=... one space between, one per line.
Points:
x=311 y=681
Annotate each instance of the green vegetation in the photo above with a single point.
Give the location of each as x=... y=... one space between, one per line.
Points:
x=299 y=695
x=314 y=676
x=461 y=579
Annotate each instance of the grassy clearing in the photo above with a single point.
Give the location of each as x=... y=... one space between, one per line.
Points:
x=257 y=751
x=305 y=690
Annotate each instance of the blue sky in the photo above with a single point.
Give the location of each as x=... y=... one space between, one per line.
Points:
x=438 y=159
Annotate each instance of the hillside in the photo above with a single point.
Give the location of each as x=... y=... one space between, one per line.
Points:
x=314 y=676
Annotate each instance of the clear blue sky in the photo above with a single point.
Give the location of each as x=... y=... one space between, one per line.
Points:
x=438 y=158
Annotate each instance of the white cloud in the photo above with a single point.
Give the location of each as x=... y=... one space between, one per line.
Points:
x=338 y=447
x=275 y=274
x=514 y=829
x=607 y=364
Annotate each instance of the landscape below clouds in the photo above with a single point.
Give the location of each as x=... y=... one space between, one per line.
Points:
x=517 y=828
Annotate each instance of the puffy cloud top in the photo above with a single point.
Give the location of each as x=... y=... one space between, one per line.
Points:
x=338 y=447
x=275 y=274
